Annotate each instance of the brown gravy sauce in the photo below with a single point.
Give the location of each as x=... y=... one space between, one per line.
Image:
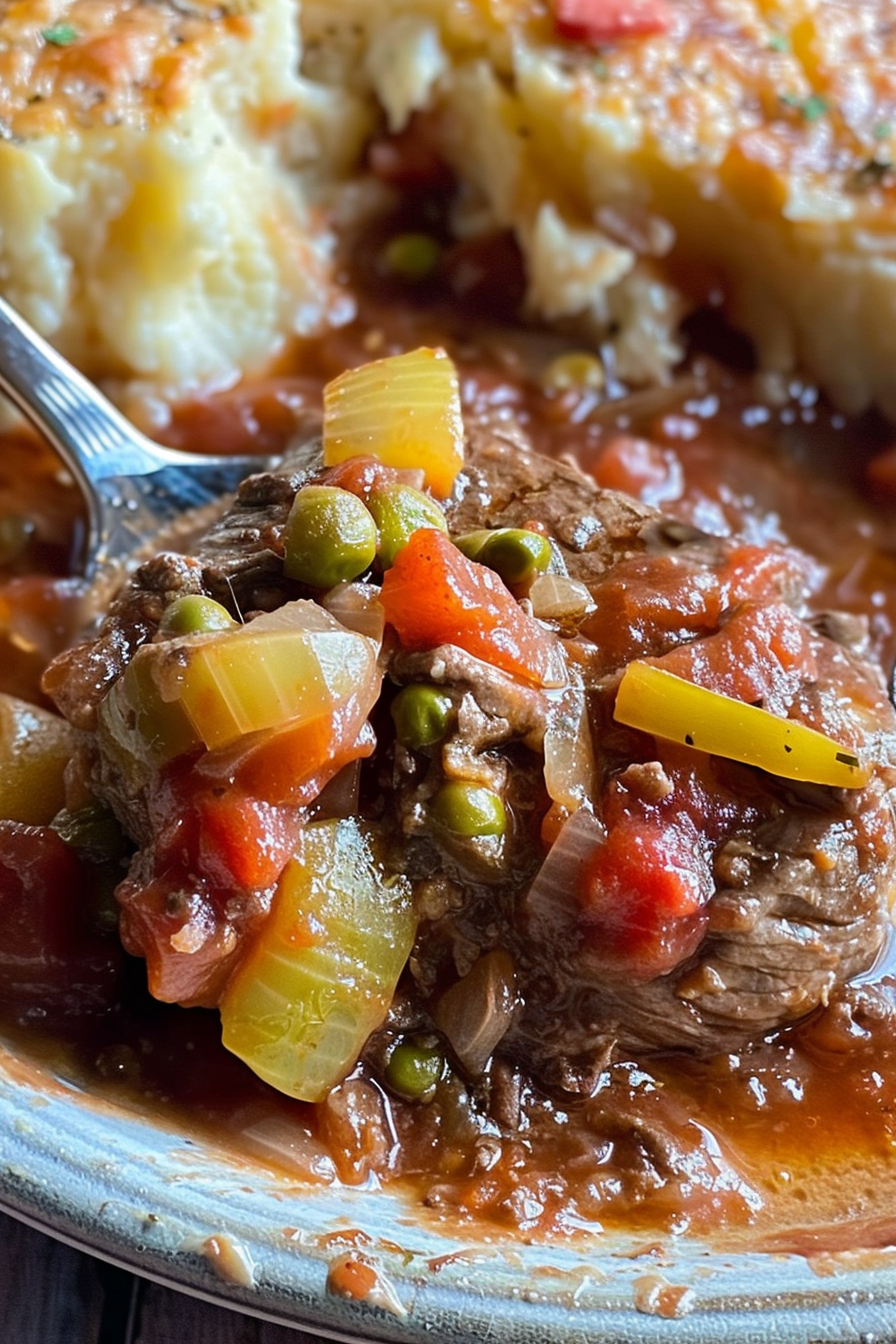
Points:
x=789 y=1144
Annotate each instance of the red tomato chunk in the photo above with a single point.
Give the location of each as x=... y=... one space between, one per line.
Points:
x=598 y=21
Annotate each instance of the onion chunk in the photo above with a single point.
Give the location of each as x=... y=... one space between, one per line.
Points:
x=320 y=975
x=404 y=410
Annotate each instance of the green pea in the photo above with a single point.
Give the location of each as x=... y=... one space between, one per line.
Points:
x=421 y=715
x=515 y=553
x=398 y=511
x=468 y=809
x=410 y=256
x=195 y=615
x=414 y=1069
x=329 y=537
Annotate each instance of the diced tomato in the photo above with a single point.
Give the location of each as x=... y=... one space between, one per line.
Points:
x=434 y=595
x=762 y=574
x=599 y=21
x=644 y=897
x=648 y=602
x=258 y=416
x=189 y=946
x=224 y=830
x=639 y=467
x=243 y=842
x=760 y=654
x=363 y=475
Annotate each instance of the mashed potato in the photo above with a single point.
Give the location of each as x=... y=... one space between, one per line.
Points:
x=744 y=154
x=166 y=171
x=155 y=214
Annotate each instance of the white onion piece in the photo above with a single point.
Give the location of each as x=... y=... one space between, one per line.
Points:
x=553 y=897
x=570 y=771
x=284 y=1141
x=357 y=606
x=474 y=1014
x=556 y=597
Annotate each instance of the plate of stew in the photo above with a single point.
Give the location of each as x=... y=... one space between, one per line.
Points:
x=446 y=888
x=497 y=1057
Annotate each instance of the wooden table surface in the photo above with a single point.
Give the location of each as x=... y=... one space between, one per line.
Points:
x=52 y=1294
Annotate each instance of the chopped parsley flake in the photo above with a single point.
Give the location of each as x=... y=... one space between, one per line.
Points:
x=882 y=130
x=601 y=69
x=778 y=42
x=812 y=108
x=62 y=35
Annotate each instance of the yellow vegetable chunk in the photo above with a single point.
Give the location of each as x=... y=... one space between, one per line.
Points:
x=320 y=975
x=403 y=410
x=290 y=666
x=658 y=702
x=35 y=747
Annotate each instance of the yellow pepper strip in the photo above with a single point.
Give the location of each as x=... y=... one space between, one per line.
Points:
x=404 y=410
x=658 y=702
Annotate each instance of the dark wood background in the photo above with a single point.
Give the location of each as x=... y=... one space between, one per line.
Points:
x=52 y=1294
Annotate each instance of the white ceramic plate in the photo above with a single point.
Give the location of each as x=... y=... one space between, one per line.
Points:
x=199 y=1217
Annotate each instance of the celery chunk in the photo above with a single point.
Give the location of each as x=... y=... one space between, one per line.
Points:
x=290 y=666
x=320 y=975
x=35 y=748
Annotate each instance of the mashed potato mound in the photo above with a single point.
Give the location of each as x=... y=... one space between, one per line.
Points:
x=745 y=154
x=166 y=170
x=155 y=212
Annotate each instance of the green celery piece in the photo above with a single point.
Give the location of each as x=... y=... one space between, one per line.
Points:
x=288 y=667
x=321 y=973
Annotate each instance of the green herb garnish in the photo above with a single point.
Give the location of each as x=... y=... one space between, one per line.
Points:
x=61 y=35
x=882 y=130
x=811 y=108
x=778 y=42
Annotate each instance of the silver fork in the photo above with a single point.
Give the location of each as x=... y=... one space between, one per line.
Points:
x=133 y=488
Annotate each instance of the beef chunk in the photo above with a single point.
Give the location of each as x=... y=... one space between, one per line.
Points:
x=795 y=880
x=238 y=561
x=701 y=903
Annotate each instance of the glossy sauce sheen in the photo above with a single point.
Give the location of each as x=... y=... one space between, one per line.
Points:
x=786 y=1143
